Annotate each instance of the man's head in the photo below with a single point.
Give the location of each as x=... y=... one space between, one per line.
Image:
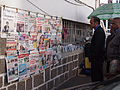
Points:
x=115 y=23
x=94 y=22
x=7 y=22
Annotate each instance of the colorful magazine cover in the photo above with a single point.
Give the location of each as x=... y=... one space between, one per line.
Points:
x=8 y=20
x=12 y=68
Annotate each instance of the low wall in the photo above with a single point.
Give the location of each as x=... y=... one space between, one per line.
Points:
x=48 y=79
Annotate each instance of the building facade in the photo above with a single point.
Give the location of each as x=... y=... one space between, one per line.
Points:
x=71 y=17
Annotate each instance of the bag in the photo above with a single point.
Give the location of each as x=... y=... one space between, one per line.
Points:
x=87 y=63
x=85 y=67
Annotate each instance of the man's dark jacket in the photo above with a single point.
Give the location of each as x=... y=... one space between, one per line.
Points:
x=97 y=47
x=113 y=49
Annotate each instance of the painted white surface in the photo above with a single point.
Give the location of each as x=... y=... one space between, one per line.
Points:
x=90 y=2
x=103 y=1
x=55 y=8
x=106 y=1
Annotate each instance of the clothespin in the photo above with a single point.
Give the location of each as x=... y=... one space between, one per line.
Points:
x=16 y=10
x=3 y=7
x=36 y=14
x=44 y=16
x=51 y=17
x=28 y=13
x=56 y=17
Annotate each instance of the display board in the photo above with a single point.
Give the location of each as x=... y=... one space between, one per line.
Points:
x=32 y=42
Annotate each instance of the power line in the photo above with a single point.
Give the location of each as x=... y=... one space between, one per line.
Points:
x=38 y=8
x=80 y=2
x=72 y=3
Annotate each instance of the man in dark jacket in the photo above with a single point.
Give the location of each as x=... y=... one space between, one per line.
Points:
x=97 y=50
x=113 y=49
x=109 y=38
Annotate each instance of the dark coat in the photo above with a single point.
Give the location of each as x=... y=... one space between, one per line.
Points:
x=113 y=49
x=109 y=38
x=87 y=49
x=97 y=47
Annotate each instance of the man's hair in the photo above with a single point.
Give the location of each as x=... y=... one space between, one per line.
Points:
x=118 y=19
x=7 y=22
x=96 y=19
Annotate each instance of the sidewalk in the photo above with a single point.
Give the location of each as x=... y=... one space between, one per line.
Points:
x=77 y=80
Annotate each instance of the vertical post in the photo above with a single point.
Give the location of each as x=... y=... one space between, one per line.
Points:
x=97 y=3
x=110 y=1
x=116 y=1
x=106 y=25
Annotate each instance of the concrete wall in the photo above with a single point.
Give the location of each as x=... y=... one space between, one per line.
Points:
x=55 y=8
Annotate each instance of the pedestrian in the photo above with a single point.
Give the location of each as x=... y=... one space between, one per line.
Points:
x=109 y=38
x=113 y=49
x=97 y=50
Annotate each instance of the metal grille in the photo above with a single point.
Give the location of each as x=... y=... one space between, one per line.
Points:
x=76 y=31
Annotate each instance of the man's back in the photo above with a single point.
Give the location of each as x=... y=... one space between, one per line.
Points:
x=113 y=49
x=98 y=43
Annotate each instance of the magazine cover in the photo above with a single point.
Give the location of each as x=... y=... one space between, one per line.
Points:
x=8 y=21
x=12 y=68
x=11 y=57
x=23 y=66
